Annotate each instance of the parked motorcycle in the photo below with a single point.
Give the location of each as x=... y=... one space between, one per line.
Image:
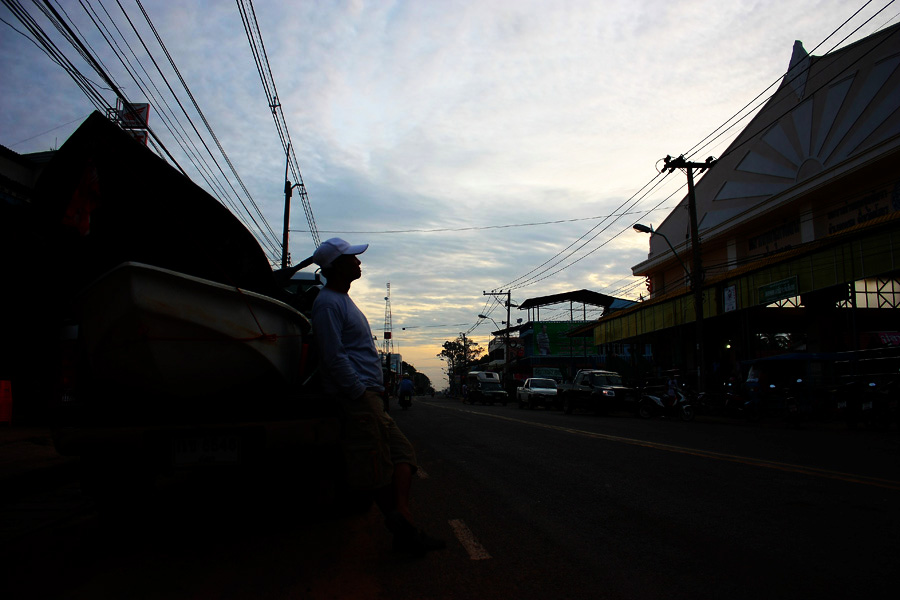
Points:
x=879 y=408
x=786 y=402
x=652 y=405
x=722 y=401
x=796 y=408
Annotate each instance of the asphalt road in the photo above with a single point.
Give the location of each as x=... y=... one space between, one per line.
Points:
x=579 y=506
x=533 y=504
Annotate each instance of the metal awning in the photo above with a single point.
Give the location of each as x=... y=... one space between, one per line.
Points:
x=580 y=296
x=856 y=254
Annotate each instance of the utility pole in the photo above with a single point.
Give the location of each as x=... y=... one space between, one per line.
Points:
x=696 y=259
x=465 y=356
x=288 y=192
x=506 y=377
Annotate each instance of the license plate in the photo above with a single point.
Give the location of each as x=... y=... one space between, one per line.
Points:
x=207 y=450
x=867 y=405
x=842 y=404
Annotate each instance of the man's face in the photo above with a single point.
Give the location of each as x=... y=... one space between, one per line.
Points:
x=347 y=267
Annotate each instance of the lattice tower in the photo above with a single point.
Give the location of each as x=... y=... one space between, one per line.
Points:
x=387 y=339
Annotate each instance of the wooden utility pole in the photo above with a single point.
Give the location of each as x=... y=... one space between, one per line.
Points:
x=288 y=192
x=506 y=378
x=696 y=258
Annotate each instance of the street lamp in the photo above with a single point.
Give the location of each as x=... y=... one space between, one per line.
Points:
x=492 y=320
x=697 y=287
x=645 y=229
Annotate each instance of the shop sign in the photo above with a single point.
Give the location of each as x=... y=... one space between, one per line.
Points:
x=551 y=339
x=778 y=290
x=730 y=298
x=136 y=117
x=889 y=338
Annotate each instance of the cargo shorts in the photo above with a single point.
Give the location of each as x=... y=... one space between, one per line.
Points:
x=372 y=443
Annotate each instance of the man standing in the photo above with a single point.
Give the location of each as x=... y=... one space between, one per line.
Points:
x=381 y=459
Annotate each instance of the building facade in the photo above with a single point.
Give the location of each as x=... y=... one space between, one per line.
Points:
x=799 y=226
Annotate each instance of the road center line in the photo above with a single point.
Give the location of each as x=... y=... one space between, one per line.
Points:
x=465 y=537
x=746 y=460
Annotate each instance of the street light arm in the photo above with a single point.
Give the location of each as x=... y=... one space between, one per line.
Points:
x=681 y=262
x=491 y=319
x=645 y=229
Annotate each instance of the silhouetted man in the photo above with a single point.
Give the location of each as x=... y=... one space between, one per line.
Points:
x=352 y=375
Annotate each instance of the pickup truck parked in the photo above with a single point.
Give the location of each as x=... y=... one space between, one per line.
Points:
x=184 y=358
x=538 y=391
x=599 y=391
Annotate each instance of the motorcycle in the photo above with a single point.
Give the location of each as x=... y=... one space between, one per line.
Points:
x=405 y=400
x=796 y=410
x=786 y=402
x=651 y=405
x=880 y=402
x=728 y=402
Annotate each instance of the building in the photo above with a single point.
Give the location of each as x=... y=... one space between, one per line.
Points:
x=545 y=347
x=799 y=226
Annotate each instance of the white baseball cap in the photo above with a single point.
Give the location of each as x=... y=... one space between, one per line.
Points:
x=331 y=249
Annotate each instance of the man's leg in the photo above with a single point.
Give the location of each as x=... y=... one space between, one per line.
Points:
x=401 y=484
x=394 y=503
x=394 y=498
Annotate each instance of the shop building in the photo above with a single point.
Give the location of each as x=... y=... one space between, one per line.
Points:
x=798 y=227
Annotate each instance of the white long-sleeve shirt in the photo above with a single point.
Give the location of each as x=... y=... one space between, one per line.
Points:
x=348 y=356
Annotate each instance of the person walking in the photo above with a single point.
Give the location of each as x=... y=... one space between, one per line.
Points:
x=353 y=377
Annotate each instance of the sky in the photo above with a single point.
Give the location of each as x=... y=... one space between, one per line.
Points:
x=476 y=146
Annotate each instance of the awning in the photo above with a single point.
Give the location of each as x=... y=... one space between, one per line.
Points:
x=854 y=254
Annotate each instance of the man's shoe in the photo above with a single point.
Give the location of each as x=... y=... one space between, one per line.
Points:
x=409 y=539
x=418 y=543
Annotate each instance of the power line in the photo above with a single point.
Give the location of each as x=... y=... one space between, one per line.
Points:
x=799 y=74
x=49 y=130
x=205 y=122
x=480 y=228
x=254 y=36
x=525 y=280
x=114 y=37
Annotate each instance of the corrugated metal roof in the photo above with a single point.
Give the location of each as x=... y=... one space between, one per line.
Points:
x=580 y=296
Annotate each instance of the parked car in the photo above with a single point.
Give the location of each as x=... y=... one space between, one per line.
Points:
x=485 y=387
x=599 y=391
x=538 y=391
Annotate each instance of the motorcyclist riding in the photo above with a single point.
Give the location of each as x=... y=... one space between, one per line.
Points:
x=406 y=391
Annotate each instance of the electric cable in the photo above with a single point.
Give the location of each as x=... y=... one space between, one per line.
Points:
x=205 y=121
x=528 y=282
x=254 y=37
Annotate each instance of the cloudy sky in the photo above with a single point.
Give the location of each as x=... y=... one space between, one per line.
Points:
x=477 y=146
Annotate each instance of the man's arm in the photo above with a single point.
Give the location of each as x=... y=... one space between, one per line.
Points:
x=333 y=356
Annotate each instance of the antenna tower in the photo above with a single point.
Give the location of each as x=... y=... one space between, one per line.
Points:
x=387 y=339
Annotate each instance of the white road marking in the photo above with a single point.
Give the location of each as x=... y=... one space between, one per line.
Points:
x=465 y=537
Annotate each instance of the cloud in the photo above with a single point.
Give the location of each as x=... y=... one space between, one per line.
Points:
x=450 y=115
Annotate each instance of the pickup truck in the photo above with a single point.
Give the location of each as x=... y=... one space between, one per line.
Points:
x=599 y=391
x=133 y=445
x=184 y=359
x=538 y=391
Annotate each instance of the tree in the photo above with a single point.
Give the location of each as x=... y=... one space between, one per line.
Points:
x=459 y=354
x=420 y=380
